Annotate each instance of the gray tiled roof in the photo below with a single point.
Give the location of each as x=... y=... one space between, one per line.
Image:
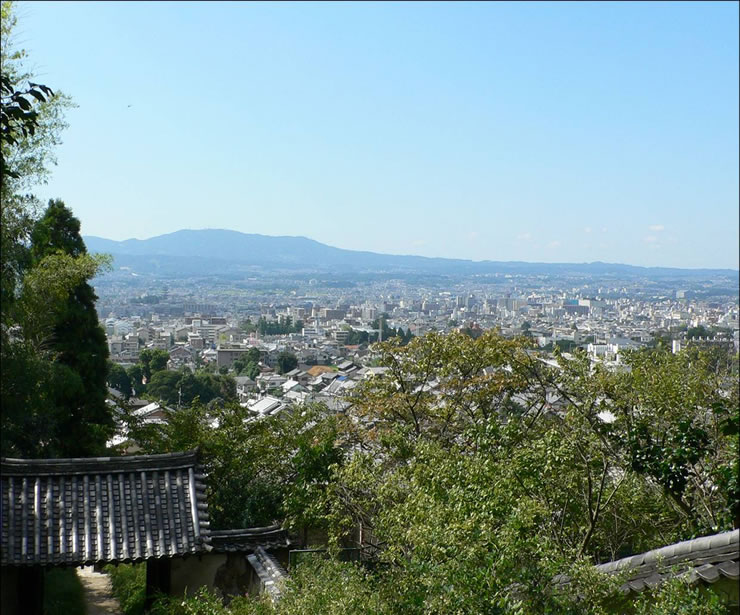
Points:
x=271 y=574
x=247 y=540
x=102 y=509
x=708 y=559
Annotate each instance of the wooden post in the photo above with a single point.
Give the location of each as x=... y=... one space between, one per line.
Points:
x=158 y=580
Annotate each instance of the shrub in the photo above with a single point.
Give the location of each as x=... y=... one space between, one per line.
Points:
x=63 y=592
x=129 y=586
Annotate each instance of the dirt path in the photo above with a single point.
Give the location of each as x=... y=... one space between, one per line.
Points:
x=98 y=595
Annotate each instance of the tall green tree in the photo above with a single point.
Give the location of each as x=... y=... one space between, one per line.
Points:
x=287 y=361
x=119 y=379
x=153 y=361
x=78 y=341
x=33 y=292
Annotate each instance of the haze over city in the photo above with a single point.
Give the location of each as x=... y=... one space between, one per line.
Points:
x=540 y=132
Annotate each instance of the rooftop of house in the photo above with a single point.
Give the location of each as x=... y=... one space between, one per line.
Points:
x=266 y=405
x=102 y=509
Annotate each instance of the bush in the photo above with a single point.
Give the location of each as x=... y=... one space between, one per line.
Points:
x=202 y=602
x=63 y=592
x=677 y=597
x=129 y=586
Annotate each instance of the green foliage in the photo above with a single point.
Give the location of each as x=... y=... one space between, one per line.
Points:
x=202 y=602
x=184 y=387
x=333 y=588
x=674 y=410
x=55 y=364
x=119 y=379
x=129 y=586
x=477 y=473
x=561 y=346
x=77 y=340
x=265 y=327
x=676 y=597
x=261 y=471
x=146 y=300
x=248 y=364
x=326 y=587
x=63 y=592
x=287 y=362
x=403 y=402
x=31 y=121
x=251 y=370
x=136 y=375
x=153 y=361
x=698 y=332
x=355 y=337
x=53 y=352
x=32 y=115
x=163 y=386
x=389 y=332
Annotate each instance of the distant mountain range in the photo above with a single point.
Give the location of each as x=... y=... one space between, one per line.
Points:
x=200 y=252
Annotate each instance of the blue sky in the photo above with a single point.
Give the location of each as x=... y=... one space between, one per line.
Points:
x=552 y=132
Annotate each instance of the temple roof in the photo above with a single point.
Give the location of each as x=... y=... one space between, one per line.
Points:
x=706 y=559
x=102 y=509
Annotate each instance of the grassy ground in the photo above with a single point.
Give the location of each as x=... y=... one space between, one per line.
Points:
x=63 y=593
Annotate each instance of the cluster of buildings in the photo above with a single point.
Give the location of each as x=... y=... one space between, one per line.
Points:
x=330 y=333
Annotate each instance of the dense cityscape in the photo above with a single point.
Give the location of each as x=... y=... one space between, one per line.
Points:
x=437 y=313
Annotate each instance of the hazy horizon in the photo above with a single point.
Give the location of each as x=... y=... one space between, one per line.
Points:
x=395 y=254
x=536 y=132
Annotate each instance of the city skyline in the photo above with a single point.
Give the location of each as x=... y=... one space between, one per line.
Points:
x=506 y=132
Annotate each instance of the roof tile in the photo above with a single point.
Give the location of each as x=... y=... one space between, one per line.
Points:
x=104 y=509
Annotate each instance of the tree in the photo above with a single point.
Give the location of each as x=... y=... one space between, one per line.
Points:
x=260 y=471
x=253 y=355
x=287 y=361
x=252 y=370
x=183 y=387
x=118 y=379
x=78 y=341
x=357 y=337
x=248 y=362
x=164 y=386
x=698 y=332
x=476 y=473
x=462 y=459
x=36 y=294
x=136 y=376
x=31 y=121
x=153 y=360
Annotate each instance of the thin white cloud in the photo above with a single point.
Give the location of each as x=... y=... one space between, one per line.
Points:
x=650 y=239
x=554 y=244
x=587 y=229
x=524 y=236
x=604 y=229
x=656 y=228
x=473 y=234
x=418 y=243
